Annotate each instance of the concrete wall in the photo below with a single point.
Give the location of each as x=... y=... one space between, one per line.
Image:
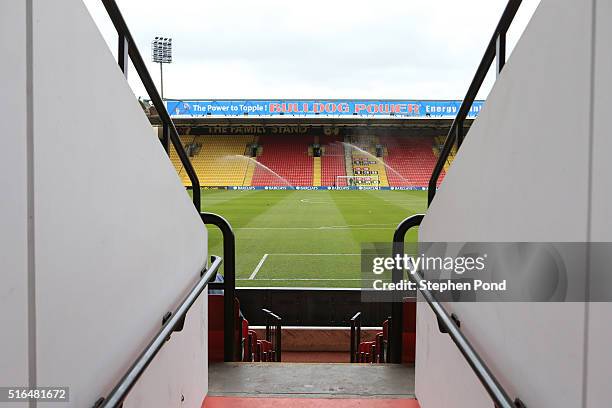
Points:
x=599 y=334
x=13 y=204
x=534 y=167
x=115 y=241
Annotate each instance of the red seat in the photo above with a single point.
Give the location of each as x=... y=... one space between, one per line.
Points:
x=216 y=345
x=286 y=155
x=332 y=161
x=413 y=158
x=366 y=352
x=265 y=352
x=409 y=333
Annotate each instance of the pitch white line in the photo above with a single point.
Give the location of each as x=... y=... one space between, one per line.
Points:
x=315 y=228
x=305 y=279
x=314 y=201
x=325 y=227
x=287 y=254
x=258 y=267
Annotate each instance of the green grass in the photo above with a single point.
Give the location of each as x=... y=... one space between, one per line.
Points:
x=312 y=238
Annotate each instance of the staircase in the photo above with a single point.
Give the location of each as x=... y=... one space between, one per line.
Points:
x=248 y=173
x=310 y=385
x=307 y=402
x=348 y=161
x=316 y=171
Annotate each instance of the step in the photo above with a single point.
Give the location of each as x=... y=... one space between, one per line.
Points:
x=316 y=171
x=248 y=175
x=258 y=402
x=311 y=380
x=316 y=356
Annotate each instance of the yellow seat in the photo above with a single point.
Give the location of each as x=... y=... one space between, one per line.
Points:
x=220 y=160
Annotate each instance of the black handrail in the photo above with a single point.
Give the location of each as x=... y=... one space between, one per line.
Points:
x=229 y=283
x=497 y=393
x=355 y=336
x=171 y=322
x=397 y=307
x=274 y=322
x=385 y=350
x=496 y=48
x=128 y=49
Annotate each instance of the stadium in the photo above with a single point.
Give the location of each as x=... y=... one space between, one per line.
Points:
x=373 y=144
x=337 y=162
x=323 y=252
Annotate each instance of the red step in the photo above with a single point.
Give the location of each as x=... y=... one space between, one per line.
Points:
x=258 y=402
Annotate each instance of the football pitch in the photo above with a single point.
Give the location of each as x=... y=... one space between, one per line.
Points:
x=295 y=238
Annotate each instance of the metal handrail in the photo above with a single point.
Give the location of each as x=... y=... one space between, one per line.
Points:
x=277 y=332
x=497 y=393
x=229 y=283
x=496 y=48
x=355 y=336
x=172 y=322
x=128 y=49
x=397 y=307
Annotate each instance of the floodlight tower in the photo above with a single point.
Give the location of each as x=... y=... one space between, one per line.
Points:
x=161 y=52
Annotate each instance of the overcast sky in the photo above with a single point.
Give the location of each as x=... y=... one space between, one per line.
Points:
x=405 y=49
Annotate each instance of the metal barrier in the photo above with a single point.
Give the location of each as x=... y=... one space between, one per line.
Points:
x=355 y=336
x=274 y=333
x=229 y=283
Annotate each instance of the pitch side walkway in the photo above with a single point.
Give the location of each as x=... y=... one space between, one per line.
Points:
x=308 y=384
x=262 y=402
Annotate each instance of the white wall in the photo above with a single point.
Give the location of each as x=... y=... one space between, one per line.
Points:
x=599 y=357
x=13 y=201
x=523 y=175
x=178 y=370
x=116 y=240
